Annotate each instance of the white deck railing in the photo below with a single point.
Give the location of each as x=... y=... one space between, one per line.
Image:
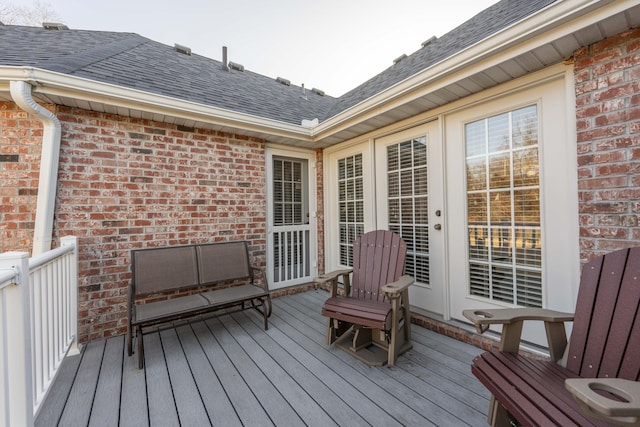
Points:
x=38 y=326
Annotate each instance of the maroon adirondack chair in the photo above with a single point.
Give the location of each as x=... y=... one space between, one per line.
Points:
x=371 y=319
x=600 y=372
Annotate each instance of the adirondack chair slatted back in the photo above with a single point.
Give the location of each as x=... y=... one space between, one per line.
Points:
x=605 y=341
x=378 y=259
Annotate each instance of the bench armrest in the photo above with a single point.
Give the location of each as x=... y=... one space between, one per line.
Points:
x=397 y=287
x=625 y=411
x=263 y=277
x=332 y=279
x=511 y=320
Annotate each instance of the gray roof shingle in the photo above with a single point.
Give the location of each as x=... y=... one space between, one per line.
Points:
x=488 y=22
x=133 y=61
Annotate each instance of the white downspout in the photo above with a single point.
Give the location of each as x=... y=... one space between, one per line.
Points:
x=48 y=180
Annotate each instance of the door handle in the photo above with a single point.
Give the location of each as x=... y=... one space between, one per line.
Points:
x=438 y=227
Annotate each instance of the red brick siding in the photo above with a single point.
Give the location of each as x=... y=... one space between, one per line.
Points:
x=20 y=147
x=607 y=76
x=320 y=208
x=126 y=183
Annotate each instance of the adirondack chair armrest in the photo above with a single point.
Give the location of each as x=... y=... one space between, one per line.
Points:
x=511 y=320
x=625 y=411
x=397 y=287
x=332 y=279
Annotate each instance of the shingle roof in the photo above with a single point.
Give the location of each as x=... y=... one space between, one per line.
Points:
x=133 y=61
x=486 y=23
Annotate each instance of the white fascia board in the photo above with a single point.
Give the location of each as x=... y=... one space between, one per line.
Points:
x=58 y=84
x=548 y=24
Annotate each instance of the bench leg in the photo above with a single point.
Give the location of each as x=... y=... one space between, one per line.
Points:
x=129 y=341
x=266 y=312
x=140 y=347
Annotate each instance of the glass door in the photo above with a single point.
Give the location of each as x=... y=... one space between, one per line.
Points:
x=513 y=222
x=410 y=203
x=291 y=258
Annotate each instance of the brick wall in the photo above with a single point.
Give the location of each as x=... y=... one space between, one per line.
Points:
x=320 y=208
x=20 y=147
x=607 y=76
x=125 y=184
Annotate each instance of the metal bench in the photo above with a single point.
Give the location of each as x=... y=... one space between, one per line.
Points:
x=596 y=382
x=166 y=270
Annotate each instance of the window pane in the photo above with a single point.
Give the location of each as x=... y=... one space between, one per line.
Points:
x=289 y=200
x=476 y=173
x=498 y=128
x=407 y=179
x=351 y=205
x=525 y=127
x=526 y=172
x=504 y=240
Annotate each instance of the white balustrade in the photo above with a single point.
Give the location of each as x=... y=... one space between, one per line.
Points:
x=38 y=326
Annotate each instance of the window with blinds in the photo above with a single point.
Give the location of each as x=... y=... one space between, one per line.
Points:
x=503 y=207
x=288 y=192
x=408 y=203
x=351 y=205
x=290 y=214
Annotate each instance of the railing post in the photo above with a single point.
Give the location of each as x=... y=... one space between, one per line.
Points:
x=73 y=273
x=17 y=316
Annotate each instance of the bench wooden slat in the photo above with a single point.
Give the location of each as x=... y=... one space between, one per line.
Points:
x=582 y=319
x=602 y=313
x=532 y=390
x=620 y=343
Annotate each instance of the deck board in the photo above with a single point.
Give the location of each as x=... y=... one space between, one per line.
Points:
x=109 y=385
x=134 y=410
x=229 y=371
x=78 y=408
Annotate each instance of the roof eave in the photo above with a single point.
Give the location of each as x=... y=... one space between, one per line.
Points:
x=542 y=27
x=62 y=85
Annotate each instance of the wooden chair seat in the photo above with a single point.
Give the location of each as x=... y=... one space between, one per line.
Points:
x=372 y=314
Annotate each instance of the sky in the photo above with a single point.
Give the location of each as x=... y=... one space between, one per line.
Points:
x=332 y=45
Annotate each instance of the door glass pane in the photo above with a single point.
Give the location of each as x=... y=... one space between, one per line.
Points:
x=289 y=198
x=408 y=203
x=351 y=205
x=503 y=208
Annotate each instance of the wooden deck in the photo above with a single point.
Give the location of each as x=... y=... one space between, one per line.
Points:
x=228 y=371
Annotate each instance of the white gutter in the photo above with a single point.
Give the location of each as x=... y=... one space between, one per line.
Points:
x=63 y=85
x=43 y=228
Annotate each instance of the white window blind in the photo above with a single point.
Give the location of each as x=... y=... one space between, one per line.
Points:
x=351 y=205
x=503 y=207
x=408 y=203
